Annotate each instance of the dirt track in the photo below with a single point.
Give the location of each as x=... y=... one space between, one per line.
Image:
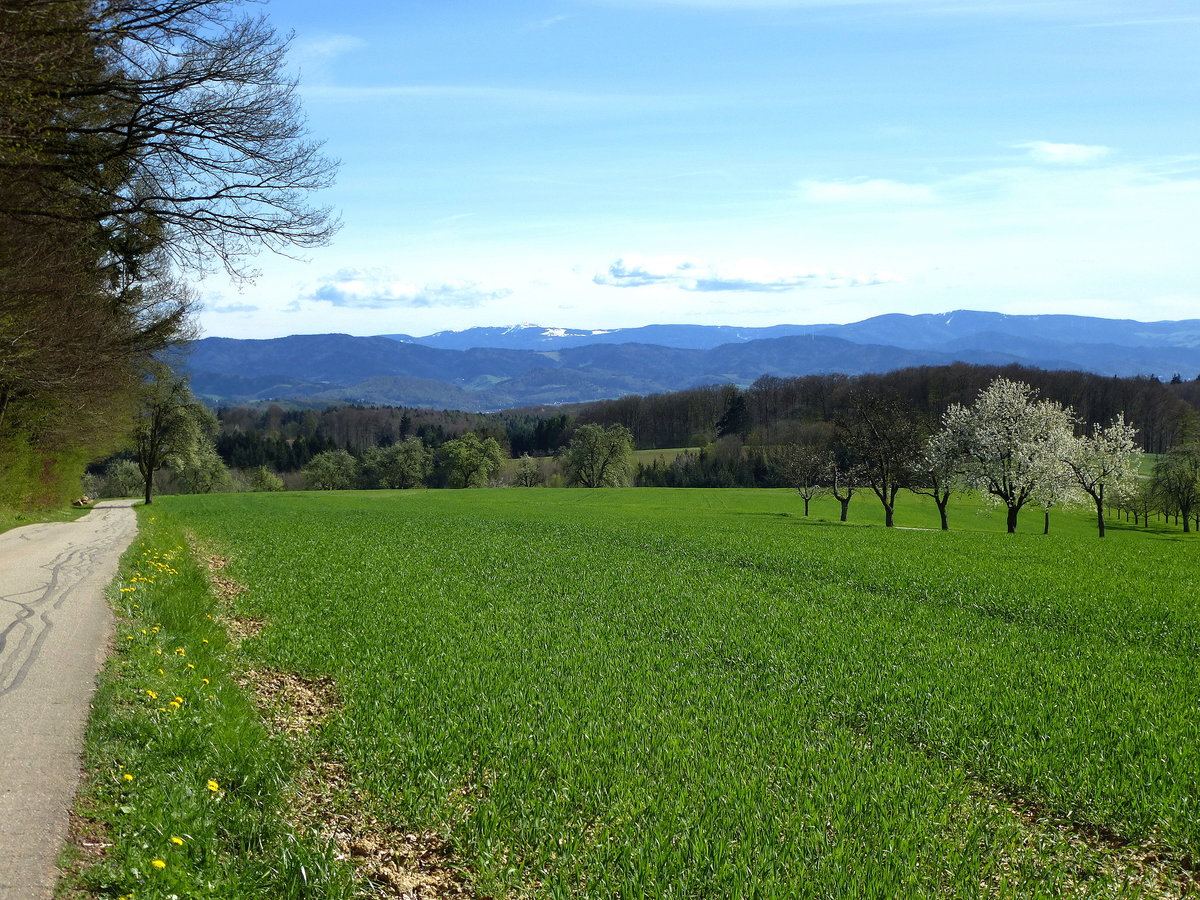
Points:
x=54 y=624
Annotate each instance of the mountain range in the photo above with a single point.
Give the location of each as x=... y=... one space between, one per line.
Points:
x=483 y=369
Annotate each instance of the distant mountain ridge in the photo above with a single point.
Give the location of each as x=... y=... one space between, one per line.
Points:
x=928 y=331
x=484 y=369
x=537 y=337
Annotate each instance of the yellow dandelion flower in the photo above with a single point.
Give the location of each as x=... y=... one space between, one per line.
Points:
x=127 y=777
x=177 y=841
x=179 y=651
x=213 y=786
x=174 y=704
x=204 y=681
x=158 y=863
x=151 y=695
x=191 y=666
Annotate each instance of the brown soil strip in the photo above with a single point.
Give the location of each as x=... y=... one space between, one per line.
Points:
x=242 y=627
x=226 y=590
x=390 y=862
x=407 y=865
x=295 y=705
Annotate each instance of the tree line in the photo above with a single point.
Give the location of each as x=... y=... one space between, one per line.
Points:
x=141 y=142
x=774 y=411
x=874 y=440
x=715 y=421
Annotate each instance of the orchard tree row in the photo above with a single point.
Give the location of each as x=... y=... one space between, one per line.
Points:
x=1011 y=447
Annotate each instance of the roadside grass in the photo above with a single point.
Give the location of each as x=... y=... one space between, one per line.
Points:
x=15 y=518
x=182 y=778
x=700 y=693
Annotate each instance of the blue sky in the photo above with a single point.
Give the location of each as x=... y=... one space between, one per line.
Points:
x=607 y=163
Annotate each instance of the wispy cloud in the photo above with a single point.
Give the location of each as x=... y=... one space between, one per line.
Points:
x=1064 y=154
x=548 y=22
x=880 y=195
x=380 y=289
x=1041 y=8
x=224 y=308
x=864 y=191
x=501 y=95
x=1161 y=20
x=738 y=275
x=326 y=46
x=314 y=55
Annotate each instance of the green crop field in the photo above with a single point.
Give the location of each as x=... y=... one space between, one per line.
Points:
x=701 y=694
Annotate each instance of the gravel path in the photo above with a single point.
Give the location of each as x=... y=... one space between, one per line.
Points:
x=54 y=626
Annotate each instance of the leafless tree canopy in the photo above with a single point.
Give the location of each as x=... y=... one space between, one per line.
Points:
x=177 y=110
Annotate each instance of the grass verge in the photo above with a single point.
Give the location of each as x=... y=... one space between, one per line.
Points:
x=185 y=788
x=15 y=518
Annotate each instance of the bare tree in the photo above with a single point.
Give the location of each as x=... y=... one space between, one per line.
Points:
x=1177 y=481
x=883 y=435
x=844 y=481
x=806 y=469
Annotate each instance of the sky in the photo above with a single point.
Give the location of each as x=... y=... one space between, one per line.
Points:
x=615 y=163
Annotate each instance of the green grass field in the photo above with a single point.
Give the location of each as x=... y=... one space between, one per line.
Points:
x=700 y=693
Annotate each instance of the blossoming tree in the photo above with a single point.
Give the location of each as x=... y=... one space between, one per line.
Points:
x=1106 y=461
x=1011 y=445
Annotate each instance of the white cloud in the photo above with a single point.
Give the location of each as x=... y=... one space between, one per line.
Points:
x=1064 y=154
x=380 y=289
x=865 y=191
x=737 y=275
